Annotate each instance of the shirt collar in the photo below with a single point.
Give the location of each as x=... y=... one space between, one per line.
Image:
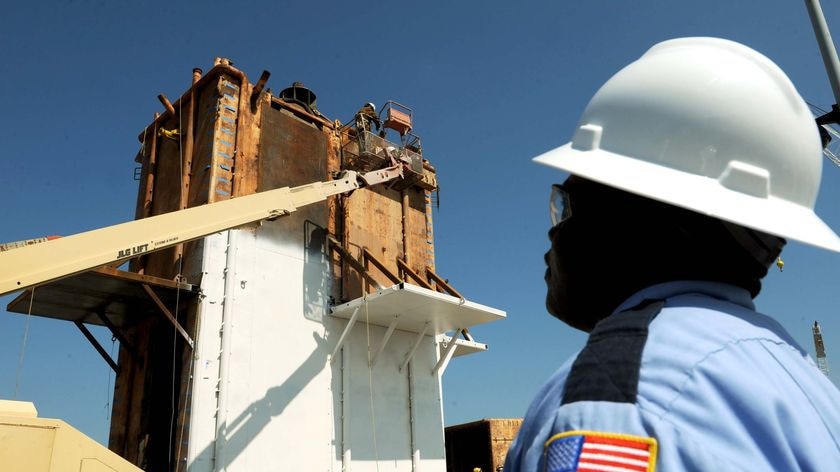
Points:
x=664 y=291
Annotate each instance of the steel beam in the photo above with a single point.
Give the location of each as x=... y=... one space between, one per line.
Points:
x=447 y=354
x=102 y=352
x=344 y=333
x=168 y=315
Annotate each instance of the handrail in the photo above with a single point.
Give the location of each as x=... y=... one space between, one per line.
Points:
x=442 y=283
x=368 y=256
x=407 y=270
x=335 y=245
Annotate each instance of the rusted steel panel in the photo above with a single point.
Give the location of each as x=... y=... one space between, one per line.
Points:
x=139 y=336
x=335 y=209
x=481 y=444
x=502 y=433
x=420 y=251
x=245 y=176
x=166 y=197
x=142 y=159
x=224 y=140
x=374 y=221
x=292 y=152
x=430 y=230
x=121 y=406
x=205 y=124
x=238 y=149
x=167 y=189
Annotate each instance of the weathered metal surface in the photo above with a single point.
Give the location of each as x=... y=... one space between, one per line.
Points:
x=167 y=104
x=224 y=140
x=292 y=152
x=429 y=230
x=481 y=444
x=205 y=123
x=258 y=88
x=239 y=147
x=218 y=69
x=374 y=221
x=420 y=242
x=181 y=175
x=248 y=138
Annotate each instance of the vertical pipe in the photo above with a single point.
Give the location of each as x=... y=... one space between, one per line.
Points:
x=186 y=164
x=239 y=144
x=345 y=238
x=258 y=88
x=189 y=144
x=224 y=358
x=429 y=231
x=150 y=175
x=415 y=452
x=346 y=454
x=366 y=265
x=149 y=191
x=405 y=210
x=827 y=50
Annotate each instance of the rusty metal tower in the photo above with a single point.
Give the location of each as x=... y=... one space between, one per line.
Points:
x=822 y=362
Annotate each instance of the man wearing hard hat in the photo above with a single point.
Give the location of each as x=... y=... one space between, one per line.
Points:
x=689 y=170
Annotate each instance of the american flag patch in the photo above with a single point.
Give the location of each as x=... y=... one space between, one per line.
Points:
x=590 y=451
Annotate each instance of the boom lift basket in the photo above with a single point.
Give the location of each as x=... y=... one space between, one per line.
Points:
x=398 y=117
x=368 y=152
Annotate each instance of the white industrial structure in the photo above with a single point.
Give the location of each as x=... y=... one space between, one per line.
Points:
x=304 y=388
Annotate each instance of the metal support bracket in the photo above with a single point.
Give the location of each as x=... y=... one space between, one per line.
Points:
x=168 y=315
x=410 y=354
x=102 y=352
x=344 y=333
x=391 y=326
x=447 y=354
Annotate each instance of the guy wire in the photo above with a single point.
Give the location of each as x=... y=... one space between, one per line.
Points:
x=23 y=343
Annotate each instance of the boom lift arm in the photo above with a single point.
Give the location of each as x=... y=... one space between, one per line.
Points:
x=39 y=263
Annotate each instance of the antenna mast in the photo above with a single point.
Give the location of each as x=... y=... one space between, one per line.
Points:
x=822 y=362
x=827 y=50
x=832 y=66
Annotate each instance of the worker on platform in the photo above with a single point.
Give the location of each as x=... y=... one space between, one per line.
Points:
x=688 y=171
x=366 y=116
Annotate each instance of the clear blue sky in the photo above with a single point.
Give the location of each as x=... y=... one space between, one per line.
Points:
x=492 y=84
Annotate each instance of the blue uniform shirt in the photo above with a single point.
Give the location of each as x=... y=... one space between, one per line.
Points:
x=720 y=387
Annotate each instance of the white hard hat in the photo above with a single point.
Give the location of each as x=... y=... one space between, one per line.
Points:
x=371 y=106
x=709 y=125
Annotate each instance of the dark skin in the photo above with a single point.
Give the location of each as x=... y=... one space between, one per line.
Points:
x=616 y=243
x=585 y=274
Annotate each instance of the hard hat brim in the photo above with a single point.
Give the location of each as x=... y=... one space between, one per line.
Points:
x=701 y=194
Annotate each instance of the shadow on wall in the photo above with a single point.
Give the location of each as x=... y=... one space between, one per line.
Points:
x=243 y=429
x=239 y=432
x=316 y=272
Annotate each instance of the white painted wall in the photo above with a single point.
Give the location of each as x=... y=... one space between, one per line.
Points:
x=280 y=403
